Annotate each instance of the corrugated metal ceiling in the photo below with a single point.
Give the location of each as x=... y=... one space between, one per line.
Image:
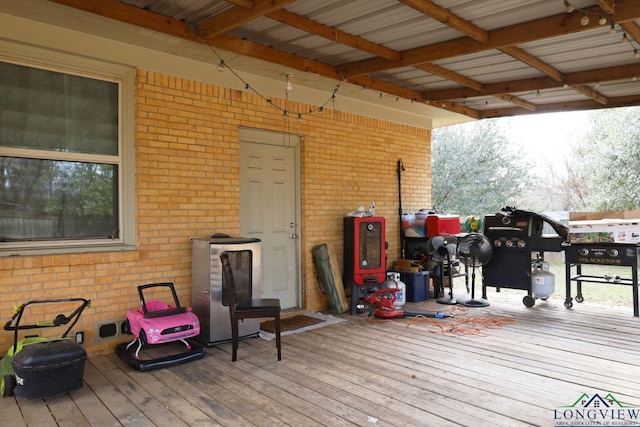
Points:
x=461 y=71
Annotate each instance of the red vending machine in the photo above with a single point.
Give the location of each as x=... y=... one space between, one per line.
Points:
x=364 y=256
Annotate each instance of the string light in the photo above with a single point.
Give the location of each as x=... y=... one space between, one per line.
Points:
x=222 y=66
x=288 y=86
x=568 y=7
x=602 y=20
x=585 y=19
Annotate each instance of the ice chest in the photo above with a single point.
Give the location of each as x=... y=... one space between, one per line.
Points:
x=48 y=369
x=442 y=224
x=417 y=285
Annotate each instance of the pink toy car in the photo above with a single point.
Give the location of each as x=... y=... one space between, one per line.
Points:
x=156 y=322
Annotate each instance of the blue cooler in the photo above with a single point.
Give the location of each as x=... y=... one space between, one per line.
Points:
x=417 y=285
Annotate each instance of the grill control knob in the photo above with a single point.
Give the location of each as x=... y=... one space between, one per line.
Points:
x=509 y=243
x=584 y=251
x=497 y=243
x=612 y=252
x=521 y=243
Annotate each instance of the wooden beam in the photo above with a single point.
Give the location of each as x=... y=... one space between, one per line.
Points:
x=237 y=16
x=466 y=81
x=258 y=51
x=631 y=28
x=623 y=72
x=533 y=61
x=518 y=101
x=146 y=19
x=385 y=87
x=451 y=75
x=539 y=29
x=623 y=101
x=133 y=15
x=580 y=80
x=333 y=34
x=448 y=18
x=402 y=92
x=143 y=18
x=243 y=3
x=601 y=75
x=587 y=91
x=607 y=6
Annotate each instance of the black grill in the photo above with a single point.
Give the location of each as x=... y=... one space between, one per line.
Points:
x=517 y=239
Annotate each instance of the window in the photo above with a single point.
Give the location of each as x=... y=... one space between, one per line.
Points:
x=65 y=157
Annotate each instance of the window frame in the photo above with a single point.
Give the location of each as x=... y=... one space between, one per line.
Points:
x=30 y=56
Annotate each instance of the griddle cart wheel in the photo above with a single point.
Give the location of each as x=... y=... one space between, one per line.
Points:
x=529 y=301
x=579 y=298
x=568 y=304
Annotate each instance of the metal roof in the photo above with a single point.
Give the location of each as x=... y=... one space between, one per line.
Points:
x=480 y=58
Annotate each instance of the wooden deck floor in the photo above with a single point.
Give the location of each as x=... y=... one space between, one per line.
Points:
x=373 y=373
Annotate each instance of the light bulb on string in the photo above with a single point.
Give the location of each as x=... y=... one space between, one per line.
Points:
x=288 y=85
x=222 y=66
x=612 y=30
x=602 y=20
x=568 y=7
x=636 y=54
x=585 y=19
x=624 y=38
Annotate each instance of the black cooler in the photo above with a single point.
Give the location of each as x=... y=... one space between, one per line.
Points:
x=48 y=369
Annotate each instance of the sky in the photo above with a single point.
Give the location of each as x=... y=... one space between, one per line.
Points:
x=546 y=137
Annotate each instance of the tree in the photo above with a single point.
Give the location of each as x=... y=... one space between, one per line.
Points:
x=609 y=156
x=475 y=169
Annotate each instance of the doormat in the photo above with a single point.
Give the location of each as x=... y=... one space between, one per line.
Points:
x=296 y=324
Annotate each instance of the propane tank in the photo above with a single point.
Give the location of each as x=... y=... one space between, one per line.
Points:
x=542 y=280
x=393 y=281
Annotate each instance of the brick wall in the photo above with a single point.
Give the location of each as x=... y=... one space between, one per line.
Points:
x=187 y=174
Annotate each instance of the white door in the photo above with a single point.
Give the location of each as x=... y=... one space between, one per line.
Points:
x=269 y=209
